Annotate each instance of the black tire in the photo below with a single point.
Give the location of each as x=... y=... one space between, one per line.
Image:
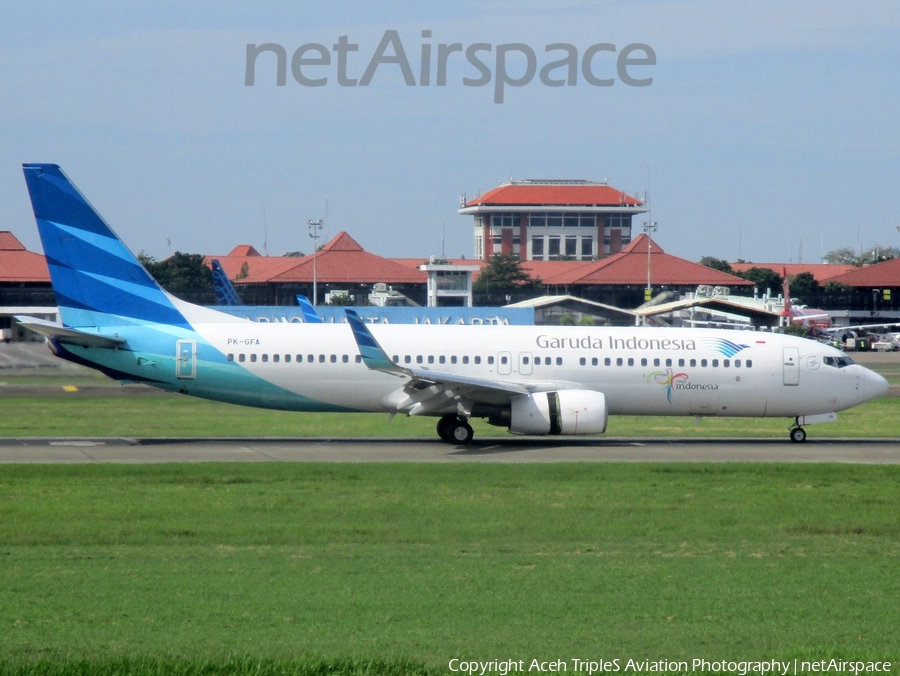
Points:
x=461 y=433
x=443 y=427
x=798 y=435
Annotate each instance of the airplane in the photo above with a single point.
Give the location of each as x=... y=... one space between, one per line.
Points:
x=533 y=380
x=225 y=293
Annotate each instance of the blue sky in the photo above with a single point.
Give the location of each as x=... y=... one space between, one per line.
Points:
x=770 y=130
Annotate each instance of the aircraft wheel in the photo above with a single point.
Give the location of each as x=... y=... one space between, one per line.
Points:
x=798 y=435
x=443 y=427
x=461 y=432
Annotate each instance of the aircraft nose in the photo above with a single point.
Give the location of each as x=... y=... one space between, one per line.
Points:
x=875 y=385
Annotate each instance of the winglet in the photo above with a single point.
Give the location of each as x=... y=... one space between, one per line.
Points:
x=373 y=355
x=225 y=293
x=310 y=316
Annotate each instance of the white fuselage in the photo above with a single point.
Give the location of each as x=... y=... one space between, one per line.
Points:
x=642 y=371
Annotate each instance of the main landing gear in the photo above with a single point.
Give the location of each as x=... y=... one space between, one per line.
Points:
x=798 y=434
x=454 y=430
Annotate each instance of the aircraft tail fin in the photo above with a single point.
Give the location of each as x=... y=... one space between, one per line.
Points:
x=96 y=279
x=310 y=316
x=225 y=292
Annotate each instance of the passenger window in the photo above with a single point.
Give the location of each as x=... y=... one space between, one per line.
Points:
x=299 y=358
x=737 y=363
x=276 y=358
x=241 y=357
x=619 y=361
x=582 y=361
x=715 y=363
x=345 y=359
x=252 y=357
x=668 y=362
x=681 y=362
x=407 y=359
x=287 y=358
x=643 y=361
x=231 y=357
x=525 y=361
x=504 y=359
x=431 y=359
x=265 y=357
x=656 y=362
x=630 y=361
x=396 y=358
x=594 y=361
x=359 y=359
x=466 y=359
x=477 y=360
x=607 y=362
x=559 y=361
x=726 y=363
x=452 y=358
x=321 y=358
x=491 y=360
x=310 y=358
x=442 y=359
x=703 y=363
x=418 y=359
x=547 y=361
x=749 y=363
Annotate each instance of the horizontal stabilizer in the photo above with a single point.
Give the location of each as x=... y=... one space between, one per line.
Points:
x=61 y=334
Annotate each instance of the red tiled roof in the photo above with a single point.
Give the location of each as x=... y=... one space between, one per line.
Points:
x=823 y=272
x=886 y=273
x=630 y=267
x=555 y=194
x=9 y=242
x=340 y=261
x=18 y=265
x=244 y=250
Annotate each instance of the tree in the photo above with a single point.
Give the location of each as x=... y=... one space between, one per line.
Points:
x=504 y=272
x=763 y=278
x=832 y=286
x=804 y=285
x=717 y=264
x=849 y=256
x=844 y=256
x=294 y=254
x=179 y=272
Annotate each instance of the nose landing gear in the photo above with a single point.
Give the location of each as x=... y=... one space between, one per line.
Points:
x=798 y=434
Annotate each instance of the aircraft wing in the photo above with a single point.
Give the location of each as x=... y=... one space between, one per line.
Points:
x=62 y=334
x=838 y=329
x=432 y=392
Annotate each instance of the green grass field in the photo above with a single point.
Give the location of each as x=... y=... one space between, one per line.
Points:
x=80 y=414
x=308 y=568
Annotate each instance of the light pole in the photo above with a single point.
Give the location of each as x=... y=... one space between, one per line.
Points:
x=314 y=227
x=649 y=228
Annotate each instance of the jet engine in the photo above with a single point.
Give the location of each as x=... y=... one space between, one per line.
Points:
x=563 y=412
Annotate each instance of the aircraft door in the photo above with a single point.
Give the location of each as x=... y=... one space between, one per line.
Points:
x=791 y=366
x=186 y=359
x=525 y=363
x=504 y=363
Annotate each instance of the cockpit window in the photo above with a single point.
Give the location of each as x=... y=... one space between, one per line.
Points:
x=838 y=362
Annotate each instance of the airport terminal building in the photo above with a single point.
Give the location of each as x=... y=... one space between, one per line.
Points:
x=555 y=219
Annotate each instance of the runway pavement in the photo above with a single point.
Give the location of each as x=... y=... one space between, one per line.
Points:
x=522 y=450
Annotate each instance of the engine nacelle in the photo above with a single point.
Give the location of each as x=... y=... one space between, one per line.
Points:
x=563 y=412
